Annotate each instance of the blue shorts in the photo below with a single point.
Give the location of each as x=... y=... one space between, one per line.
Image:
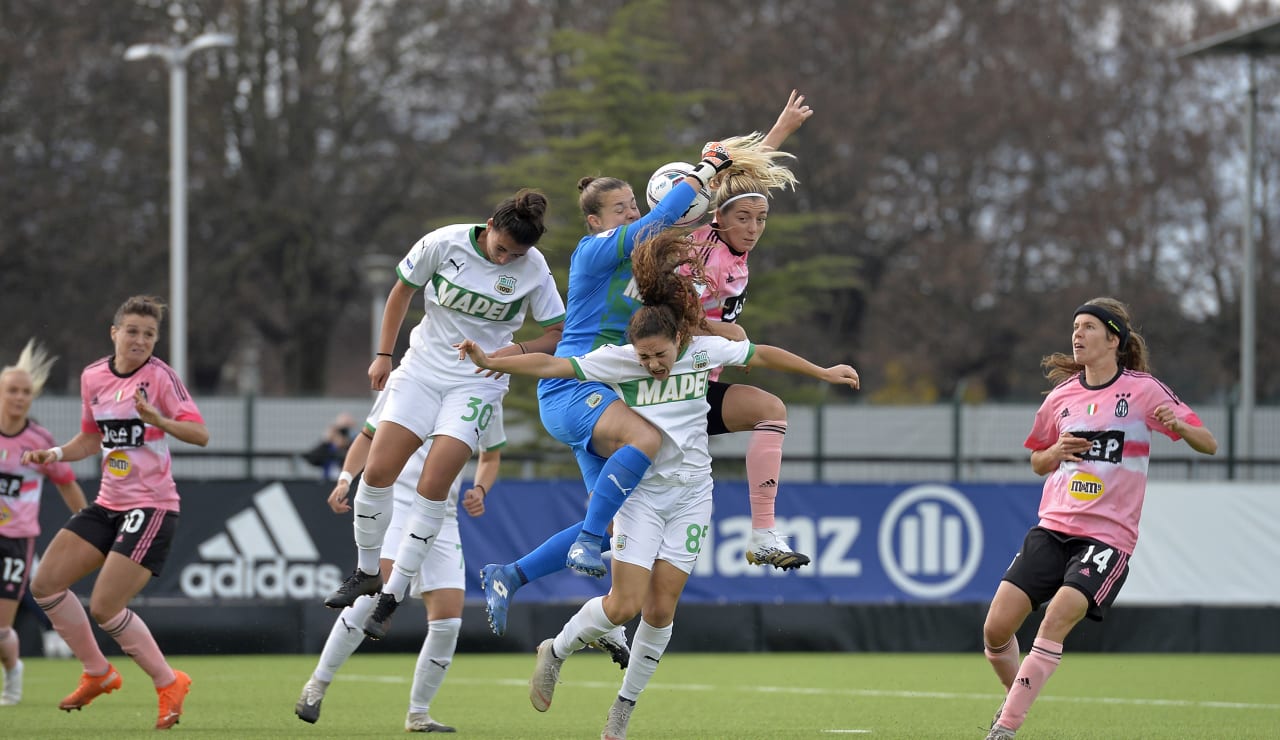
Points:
x=570 y=409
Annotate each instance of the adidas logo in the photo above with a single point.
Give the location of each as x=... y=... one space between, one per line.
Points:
x=266 y=551
x=1085 y=572
x=1024 y=682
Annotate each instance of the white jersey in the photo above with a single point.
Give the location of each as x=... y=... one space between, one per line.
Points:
x=676 y=405
x=471 y=298
x=405 y=488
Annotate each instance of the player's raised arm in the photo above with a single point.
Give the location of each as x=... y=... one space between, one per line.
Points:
x=776 y=358
x=534 y=364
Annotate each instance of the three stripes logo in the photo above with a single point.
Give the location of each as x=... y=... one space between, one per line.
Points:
x=930 y=541
x=265 y=552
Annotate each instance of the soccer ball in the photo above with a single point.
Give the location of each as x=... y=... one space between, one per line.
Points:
x=665 y=178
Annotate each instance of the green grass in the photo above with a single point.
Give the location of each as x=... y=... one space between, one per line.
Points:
x=693 y=695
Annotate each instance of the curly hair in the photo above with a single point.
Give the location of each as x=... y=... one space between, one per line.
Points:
x=1132 y=356
x=671 y=307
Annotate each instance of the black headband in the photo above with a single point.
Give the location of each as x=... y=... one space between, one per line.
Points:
x=1108 y=319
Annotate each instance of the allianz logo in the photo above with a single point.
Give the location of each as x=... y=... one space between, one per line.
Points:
x=929 y=544
x=265 y=552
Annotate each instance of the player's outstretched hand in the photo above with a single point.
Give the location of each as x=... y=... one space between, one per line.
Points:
x=793 y=115
x=715 y=158
x=843 y=375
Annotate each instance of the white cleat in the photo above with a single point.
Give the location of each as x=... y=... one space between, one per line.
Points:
x=767 y=547
x=546 y=674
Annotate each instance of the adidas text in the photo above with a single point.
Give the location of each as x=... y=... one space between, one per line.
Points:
x=276 y=578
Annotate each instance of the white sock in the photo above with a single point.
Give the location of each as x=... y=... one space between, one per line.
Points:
x=373 y=507
x=345 y=636
x=419 y=535
x=433 y=662
x=588 y=624
x=647 y=648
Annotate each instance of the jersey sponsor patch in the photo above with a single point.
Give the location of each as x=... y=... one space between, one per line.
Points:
x=1108 y=445
x=1085 y=487
x=118 y=433
x=10 y=485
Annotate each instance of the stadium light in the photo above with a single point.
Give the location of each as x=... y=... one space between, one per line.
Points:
x=176 y=59
x=1261 y=39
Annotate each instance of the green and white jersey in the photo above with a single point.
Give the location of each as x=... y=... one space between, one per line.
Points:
x=676 y=405
x=471 y=298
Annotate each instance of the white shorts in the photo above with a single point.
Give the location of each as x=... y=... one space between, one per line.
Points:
x=663 y=521
x=460 y=411
x=443 y=567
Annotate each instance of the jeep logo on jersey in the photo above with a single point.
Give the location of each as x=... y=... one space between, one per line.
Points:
x=930 y=541
x=10 y=485
x=506 y=285
x=265 y=552
x=1108 y=445
x=460 y=299
x=122 y=432
x=675 y=388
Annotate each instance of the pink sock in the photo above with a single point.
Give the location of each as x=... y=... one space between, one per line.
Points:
x=1040 y=664
x=135 y=639
x=764 y=467
x=72 y=624
x=1004 y=660
x=8 y=648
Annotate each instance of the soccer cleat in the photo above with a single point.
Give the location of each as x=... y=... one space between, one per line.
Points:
x=422 y=722
x=767 y=547
x=380 y=619
x=1000 y=732
x=615 y=726
x=614 y=642
x=499 y=586
x=12 y=686
x=91 y=687
x=584 y=556
x=353 y=587
x=995 y=719
x=308 y=706
x=171 y=698
x=546 y=674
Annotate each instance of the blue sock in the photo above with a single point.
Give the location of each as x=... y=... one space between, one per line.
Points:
x=548 y=557
x=619 y=476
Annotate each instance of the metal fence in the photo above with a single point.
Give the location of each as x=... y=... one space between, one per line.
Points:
x=265 y=438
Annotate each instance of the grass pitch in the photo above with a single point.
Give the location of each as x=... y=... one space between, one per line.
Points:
x=693 y=695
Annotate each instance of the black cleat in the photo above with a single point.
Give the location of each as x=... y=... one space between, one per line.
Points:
x=356 y=585
x=379 y=621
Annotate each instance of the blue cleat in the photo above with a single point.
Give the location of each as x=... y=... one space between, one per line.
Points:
x=584 y=556
x=499 y=583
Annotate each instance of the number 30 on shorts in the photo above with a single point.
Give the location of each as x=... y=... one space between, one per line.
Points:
x=478 y=409
x=694 y=535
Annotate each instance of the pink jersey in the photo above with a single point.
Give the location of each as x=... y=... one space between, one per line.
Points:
x=1101 y=496
x=137 y=470
x=20 y=485
x=724 y=292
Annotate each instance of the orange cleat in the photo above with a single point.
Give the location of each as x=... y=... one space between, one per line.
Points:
x=171 y=697
x=91 y=687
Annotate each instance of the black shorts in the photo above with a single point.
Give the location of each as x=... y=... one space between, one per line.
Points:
x=142 y=535
x=15 y=566
x=1050 y=560
x=715 y=414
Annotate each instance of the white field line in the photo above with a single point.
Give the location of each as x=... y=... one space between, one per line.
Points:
x=861 y=693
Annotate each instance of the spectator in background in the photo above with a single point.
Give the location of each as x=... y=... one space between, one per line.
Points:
x=20 y=487
x=329 y=452
x=1092 y=439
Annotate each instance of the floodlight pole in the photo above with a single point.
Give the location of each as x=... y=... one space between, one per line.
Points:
x=1249 y=284
x=175 y=58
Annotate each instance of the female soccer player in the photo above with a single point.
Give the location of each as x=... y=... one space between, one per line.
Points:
x=659 y=529
x=20 y=488
x=484 y=280
x=614 y=445
x=131 y=400
x=1092 y=438
x=441 y=581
